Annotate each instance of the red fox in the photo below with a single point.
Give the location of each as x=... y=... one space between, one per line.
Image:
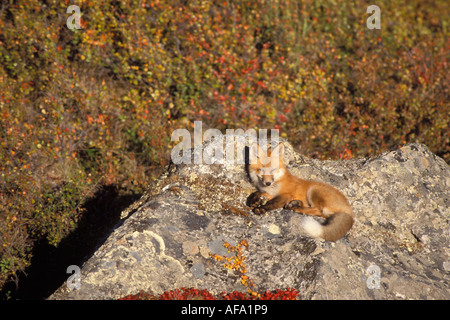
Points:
x=281 y=189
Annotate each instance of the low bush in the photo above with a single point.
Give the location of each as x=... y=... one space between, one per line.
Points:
x=96 y=106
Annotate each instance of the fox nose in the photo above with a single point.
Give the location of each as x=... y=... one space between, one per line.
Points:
x=268 y=183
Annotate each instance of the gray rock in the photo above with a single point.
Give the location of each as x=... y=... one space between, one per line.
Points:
x=398 y=247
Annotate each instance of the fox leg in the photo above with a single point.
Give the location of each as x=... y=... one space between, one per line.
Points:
x=275 y=203
x=257 y=198
x=297 y=206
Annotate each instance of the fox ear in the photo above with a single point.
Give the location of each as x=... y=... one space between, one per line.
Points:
x=278 y=151
x=255 y=152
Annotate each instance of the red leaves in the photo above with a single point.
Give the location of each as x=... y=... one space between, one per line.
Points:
x=288 y=294
x=187 y=294
x=204 y=294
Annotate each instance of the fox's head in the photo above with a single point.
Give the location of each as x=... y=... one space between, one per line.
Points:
x=266 y=168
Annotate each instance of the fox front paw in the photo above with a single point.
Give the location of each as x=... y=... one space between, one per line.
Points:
x=256 y=199
x=259 y=210
x=293 y=204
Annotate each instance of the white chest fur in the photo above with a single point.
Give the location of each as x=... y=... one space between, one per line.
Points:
x=273 y=189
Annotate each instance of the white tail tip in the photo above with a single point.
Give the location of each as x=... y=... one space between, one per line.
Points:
x=311 y=227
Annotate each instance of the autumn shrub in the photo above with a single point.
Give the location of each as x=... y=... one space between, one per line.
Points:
x=204 y=294
x=92 y=107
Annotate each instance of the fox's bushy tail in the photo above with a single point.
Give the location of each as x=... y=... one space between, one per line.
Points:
x=334 y=227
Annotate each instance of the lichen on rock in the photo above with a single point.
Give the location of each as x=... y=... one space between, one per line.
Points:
x=165 y=240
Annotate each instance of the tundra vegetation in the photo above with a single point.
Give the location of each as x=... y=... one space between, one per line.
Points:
x=87 y=115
